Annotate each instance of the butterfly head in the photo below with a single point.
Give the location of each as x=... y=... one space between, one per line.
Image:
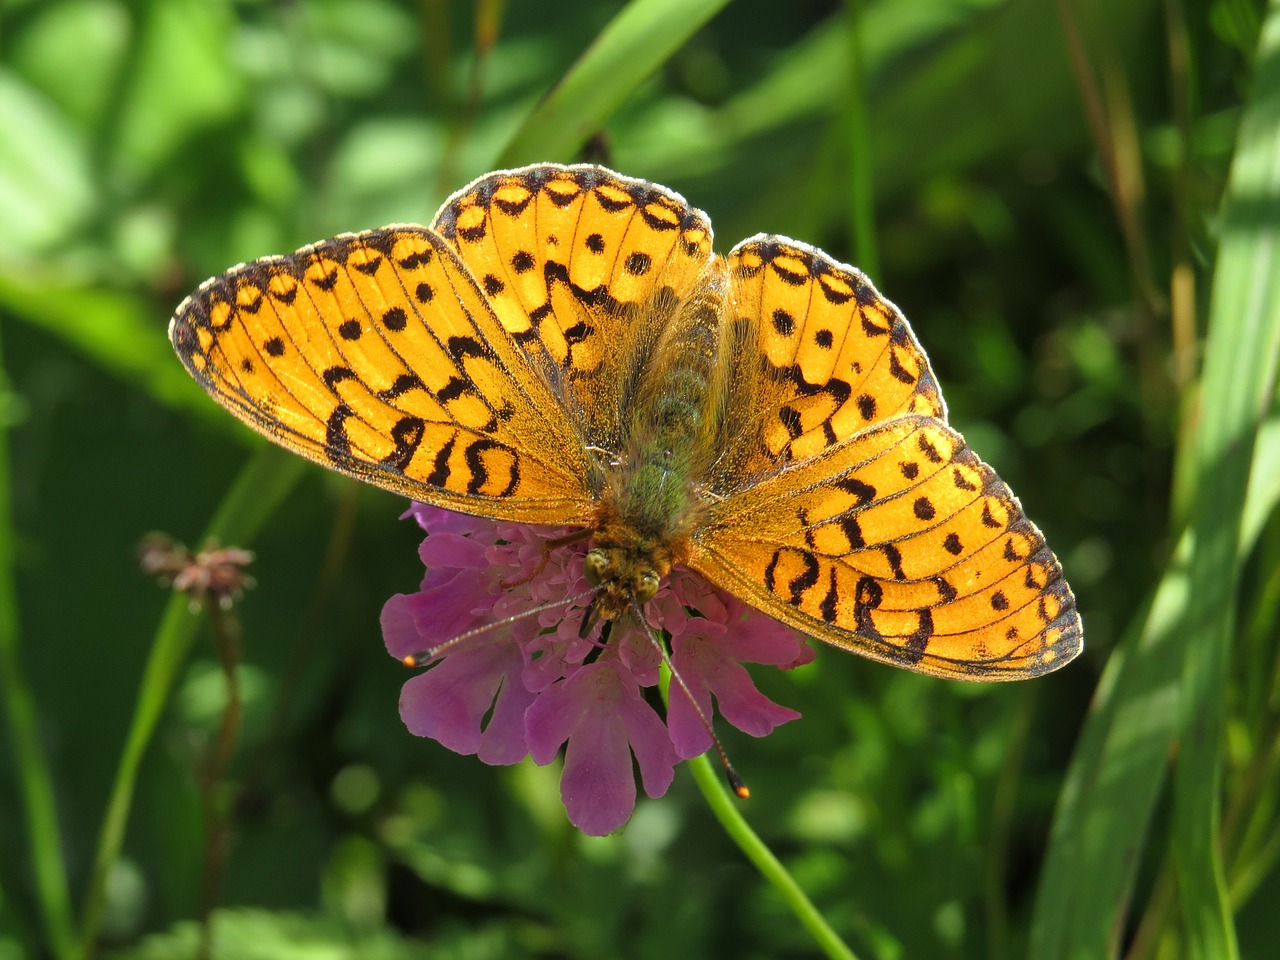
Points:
x=627 y=566
x=620 y=579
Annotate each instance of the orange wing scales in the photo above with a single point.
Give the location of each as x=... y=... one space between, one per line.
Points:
x=497 y=362
x=902 y=545
x=375 y=354
x=581 y=265
x=848 y=354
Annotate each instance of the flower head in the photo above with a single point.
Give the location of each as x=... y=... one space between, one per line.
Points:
x=534 y=684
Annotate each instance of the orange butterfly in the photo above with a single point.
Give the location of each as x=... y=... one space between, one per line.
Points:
x=562 y=347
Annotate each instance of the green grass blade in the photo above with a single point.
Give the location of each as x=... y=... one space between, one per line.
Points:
x=29 y=767
x=115 y=330
x=634 y=44
x=1238 y=383
x=1105 y=806
x=265 y=480
x=1117 y=772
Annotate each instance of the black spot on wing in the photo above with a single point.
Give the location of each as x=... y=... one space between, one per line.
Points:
x=336 y=374
x=862 y=491
x=804 y=580
x=439 y=475
x=400 y=386
x=919 y=639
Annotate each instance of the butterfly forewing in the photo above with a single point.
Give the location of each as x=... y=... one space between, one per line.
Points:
x=580 y=264
x=846 y=355
x=377 y=355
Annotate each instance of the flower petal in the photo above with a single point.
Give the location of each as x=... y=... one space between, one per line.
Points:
x=399 y=629
x=708 y=664
x=449 y=701
x=602 y=715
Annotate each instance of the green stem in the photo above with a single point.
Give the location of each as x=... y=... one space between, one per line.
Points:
x=862 y=208
x=261 y=485
x=32 y=773
x=217 y=811
x=725 y=808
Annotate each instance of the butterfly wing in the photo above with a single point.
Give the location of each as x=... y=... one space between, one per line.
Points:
x=837 y=356
x=853 y=511
x=901 y=545
x=377 y=354
x=584 y=267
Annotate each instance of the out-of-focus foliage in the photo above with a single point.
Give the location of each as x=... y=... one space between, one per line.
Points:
x=1047 y=180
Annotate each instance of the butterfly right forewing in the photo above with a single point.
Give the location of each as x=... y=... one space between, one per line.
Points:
x=835 y=355
x=376 y=354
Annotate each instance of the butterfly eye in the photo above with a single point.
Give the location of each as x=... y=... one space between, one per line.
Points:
x=594 y=567
x=648 y=587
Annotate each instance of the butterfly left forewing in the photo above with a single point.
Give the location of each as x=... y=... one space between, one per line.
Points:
x=377 y=355
x=843 y=357
x=901 y=545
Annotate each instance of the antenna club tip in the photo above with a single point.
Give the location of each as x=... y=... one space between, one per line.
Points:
x=409 y=661
x=742 y=792
x=737 y=785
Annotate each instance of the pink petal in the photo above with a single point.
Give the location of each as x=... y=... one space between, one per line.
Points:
x=446 y=549
x=437 y=519
x=399 y=631
x=449 y=701
x=708 y=665
x=443 y=613
x=601 y=714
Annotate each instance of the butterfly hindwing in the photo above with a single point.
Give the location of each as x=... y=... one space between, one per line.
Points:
x=377 y=355
x=901 y=545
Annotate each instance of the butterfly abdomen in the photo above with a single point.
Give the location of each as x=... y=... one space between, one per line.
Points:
x=652 y=502
x=669 y=423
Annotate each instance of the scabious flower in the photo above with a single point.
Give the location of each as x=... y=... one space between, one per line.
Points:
x=533 y=686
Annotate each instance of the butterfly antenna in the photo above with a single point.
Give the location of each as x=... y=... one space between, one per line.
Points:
x=736 y=783
x=425 y=656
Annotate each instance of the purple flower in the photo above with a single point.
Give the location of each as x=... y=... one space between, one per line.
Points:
x=533 y=685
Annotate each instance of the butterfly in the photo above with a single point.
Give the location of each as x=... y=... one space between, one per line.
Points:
x=561 y=346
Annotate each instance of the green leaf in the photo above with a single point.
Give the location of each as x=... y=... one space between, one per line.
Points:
x=1238 y=385
x=630 y=48
x=1168 y=675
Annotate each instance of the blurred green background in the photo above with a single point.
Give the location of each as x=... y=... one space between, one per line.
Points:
x=1037 y=185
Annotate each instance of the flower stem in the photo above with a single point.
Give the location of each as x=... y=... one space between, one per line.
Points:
x=213 y=790
x=725 y=807
x=261 y=485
